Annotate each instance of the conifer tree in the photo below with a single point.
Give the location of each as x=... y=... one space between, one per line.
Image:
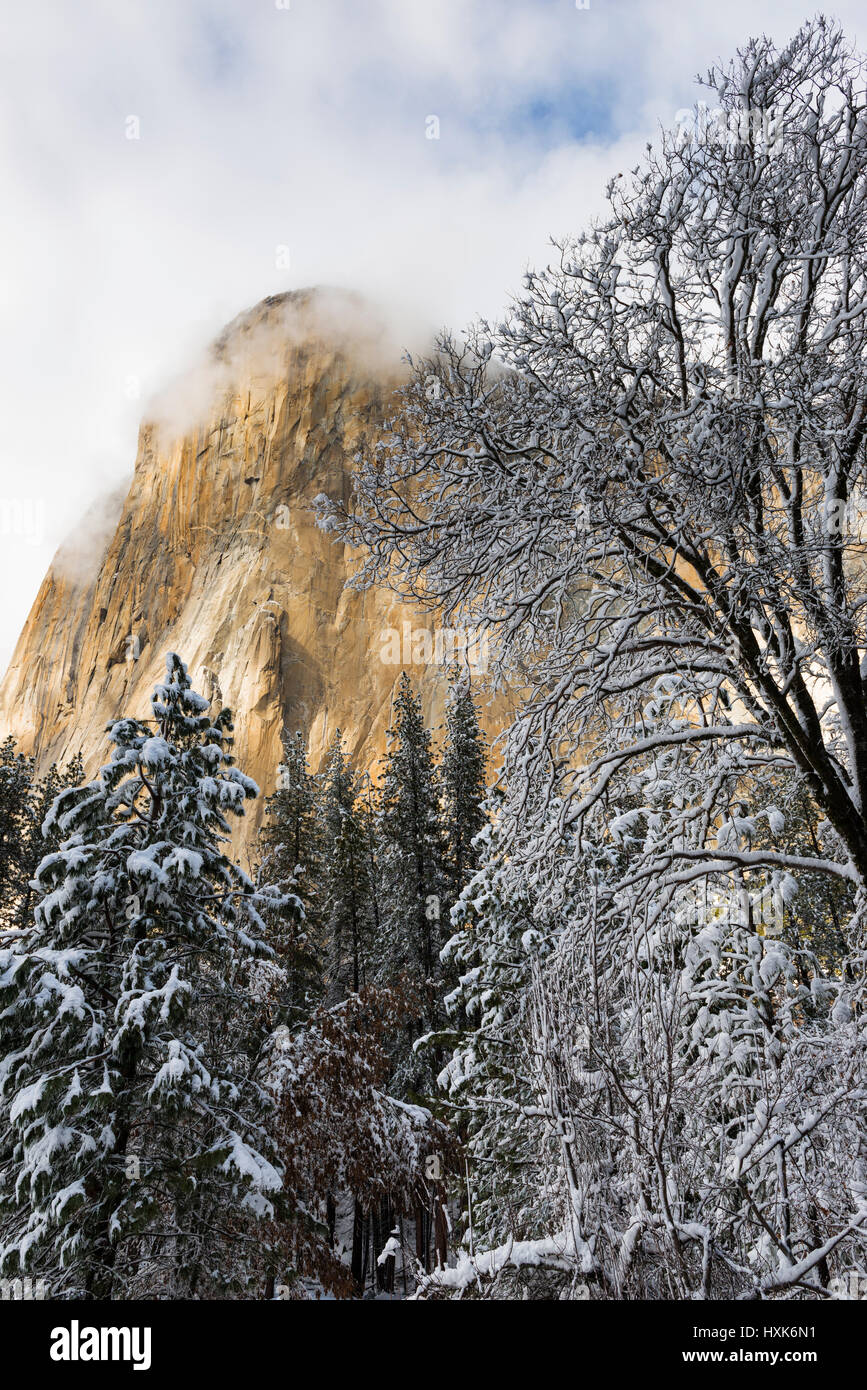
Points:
x=489 y=1079
x=411 y=856
x=291 y=843
x=16 y=776
x=463 y=776
x=129 y=1034
x=348 y=889
x=25 y=800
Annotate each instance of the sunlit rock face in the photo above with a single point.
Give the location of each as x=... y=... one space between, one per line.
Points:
x=214 y=553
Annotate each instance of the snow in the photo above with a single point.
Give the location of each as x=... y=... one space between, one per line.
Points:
x=155 y=753
x=27 y=1099
x=547 y=1250
x=188 y=861
x=245 y=1162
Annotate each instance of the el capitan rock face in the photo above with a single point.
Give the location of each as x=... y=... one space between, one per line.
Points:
x=216 y=555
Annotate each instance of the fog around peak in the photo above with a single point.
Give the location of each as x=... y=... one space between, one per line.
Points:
x=166 y=167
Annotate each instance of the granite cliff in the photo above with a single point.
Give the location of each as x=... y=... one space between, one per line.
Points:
x=214 y=553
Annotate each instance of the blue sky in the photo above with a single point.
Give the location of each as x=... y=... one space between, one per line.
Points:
x=263 y=127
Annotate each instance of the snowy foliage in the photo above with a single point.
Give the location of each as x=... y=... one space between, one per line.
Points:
x=648 y=484
x=129 y=1042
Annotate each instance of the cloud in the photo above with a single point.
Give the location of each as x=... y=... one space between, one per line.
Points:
x=253 y=347
x=278 y=147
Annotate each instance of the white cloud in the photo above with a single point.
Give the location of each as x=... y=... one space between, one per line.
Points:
x=263 y=127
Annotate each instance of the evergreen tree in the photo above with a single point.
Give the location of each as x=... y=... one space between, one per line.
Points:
x=25 y=801
x=411 y=856
x=348 y=889
x=16 y=780
x=129 y=1031
x=490 y=1080
x=291 y=842
x=463 y=776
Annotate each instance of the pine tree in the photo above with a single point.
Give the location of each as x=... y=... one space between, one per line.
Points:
x=413 y=884
x=291 y=843
x=463 y=776
x=348 y=890
x=129 y=1031
x=489 y=1079
x=16 y=781
x=25 y=800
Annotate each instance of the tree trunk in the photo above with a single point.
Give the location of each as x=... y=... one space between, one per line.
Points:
x=331 y=1217
x=441 y=1228
x=357 y=1262
x=385 y=1271
x=422 y=1234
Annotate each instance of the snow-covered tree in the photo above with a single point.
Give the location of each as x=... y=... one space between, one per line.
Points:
x=129 y=1031
x=488 y=1082
x=291 y=857
x=25 y=799
x=16 y=775
x=411 y=863
x=347 y=885
x=660 y=1095
x=463 y=780
x=648 y=482
x=650 y=475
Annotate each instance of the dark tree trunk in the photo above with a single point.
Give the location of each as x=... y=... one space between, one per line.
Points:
x=422 y=1234
x=385 y=1271
x=330 y=1217
x=357 y=1262
x=441 y=1229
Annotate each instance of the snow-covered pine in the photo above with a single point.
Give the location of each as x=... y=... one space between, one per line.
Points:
x=291 y=858
x=488 y=1083
x=25 y=799
x=348 y=889
x=463 y=779
x=142 y=1159
x=16 y=776
x=410 y=851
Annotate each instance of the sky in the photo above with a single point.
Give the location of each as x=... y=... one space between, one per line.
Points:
x=167 y=163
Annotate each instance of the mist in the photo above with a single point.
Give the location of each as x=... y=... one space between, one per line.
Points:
x=167 y=166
